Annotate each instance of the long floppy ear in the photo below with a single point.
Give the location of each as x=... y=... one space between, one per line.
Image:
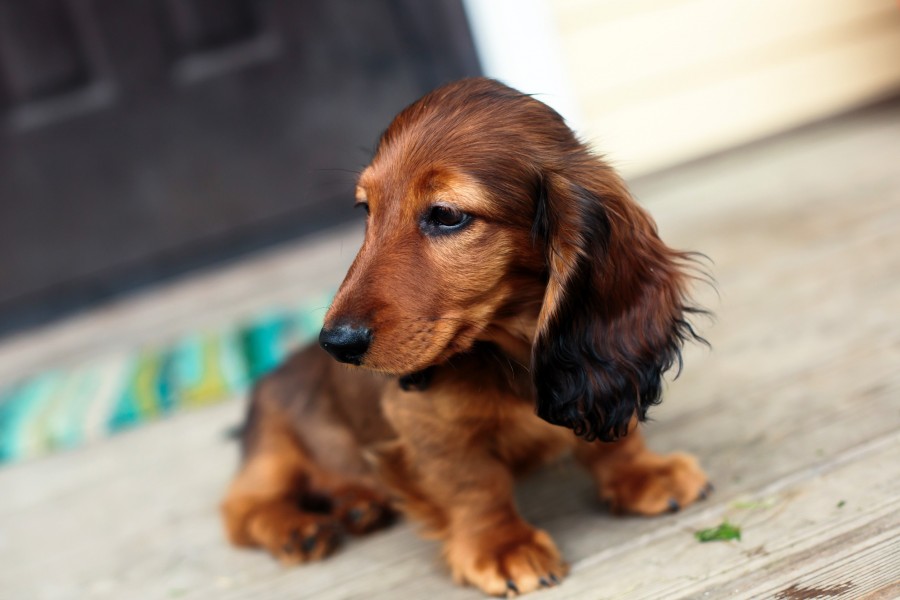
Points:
x=613 y=319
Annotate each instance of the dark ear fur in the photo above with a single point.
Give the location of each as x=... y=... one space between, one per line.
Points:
x=614 y=313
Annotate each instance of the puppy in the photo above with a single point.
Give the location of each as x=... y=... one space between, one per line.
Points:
x=510 y=302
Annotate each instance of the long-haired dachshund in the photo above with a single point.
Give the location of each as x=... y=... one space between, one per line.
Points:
x=510 y=302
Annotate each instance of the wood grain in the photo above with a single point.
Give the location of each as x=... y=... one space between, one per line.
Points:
x=794 y=414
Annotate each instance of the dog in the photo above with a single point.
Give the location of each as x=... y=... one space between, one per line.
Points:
x=510 y=302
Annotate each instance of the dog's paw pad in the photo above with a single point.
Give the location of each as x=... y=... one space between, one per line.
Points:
x=516 y=567
x=653 y=484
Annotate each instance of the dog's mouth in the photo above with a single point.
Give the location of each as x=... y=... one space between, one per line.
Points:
x=422 y=348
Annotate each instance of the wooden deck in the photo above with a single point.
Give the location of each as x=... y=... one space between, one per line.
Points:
x=795 y=413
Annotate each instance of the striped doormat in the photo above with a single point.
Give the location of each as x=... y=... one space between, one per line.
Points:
x=65 y=408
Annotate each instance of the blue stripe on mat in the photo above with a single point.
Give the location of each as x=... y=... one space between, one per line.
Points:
x=54 y=410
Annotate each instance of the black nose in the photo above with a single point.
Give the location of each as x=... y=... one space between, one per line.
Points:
x=347 y=343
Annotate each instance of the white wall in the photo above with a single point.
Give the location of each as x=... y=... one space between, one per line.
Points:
x=518 y=43
x=652 y=83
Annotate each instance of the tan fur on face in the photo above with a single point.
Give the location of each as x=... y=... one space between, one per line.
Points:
x=426 y=298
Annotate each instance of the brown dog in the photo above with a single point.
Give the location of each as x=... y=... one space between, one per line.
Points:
x=505 y=271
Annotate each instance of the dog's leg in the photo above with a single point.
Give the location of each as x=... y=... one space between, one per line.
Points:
x=263 y=504
x=286 y=500
x=351 y=494
x=468 y=502
x=632 y=479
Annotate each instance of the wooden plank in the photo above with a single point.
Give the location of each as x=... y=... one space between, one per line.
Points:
x=799 y=529
x=796 y=408
x=862 y=563
x=168 y=541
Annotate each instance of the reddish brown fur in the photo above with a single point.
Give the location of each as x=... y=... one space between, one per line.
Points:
x=558 y=269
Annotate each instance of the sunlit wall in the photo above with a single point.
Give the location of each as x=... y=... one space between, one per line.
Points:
x=657 y=82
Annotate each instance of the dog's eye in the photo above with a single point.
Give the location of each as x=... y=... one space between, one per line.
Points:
x=444 y=219
x=364 y=205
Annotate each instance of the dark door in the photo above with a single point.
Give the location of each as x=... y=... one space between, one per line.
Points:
x=141 y=138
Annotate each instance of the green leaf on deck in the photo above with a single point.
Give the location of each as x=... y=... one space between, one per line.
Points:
x=724 y=532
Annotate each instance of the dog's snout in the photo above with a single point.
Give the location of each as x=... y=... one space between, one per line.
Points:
x=347 y=343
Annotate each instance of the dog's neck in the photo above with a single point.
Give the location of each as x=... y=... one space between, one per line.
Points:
x=514 y=336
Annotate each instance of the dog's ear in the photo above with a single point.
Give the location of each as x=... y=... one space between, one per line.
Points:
x=614 y=313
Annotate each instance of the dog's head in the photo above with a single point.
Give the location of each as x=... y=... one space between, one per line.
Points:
x=489 y=221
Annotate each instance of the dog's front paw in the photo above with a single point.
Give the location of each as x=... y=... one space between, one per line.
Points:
x=651 y=484
x=293 y=536
x=505 y=563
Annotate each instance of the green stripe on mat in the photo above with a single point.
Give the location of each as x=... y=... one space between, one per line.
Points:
x=65 y=408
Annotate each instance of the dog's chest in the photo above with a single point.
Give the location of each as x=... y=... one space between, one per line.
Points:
x=525 y=441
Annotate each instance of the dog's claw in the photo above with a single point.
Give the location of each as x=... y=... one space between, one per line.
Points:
x=309 y=544
x=543 y=581
x=511 y=586
x=554 y=578
x=355 y=515
x=673 y=505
